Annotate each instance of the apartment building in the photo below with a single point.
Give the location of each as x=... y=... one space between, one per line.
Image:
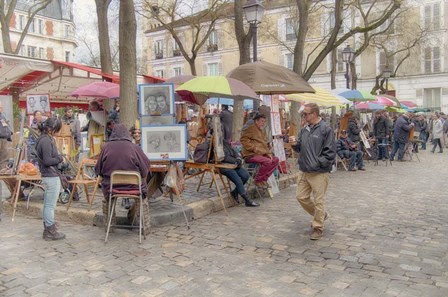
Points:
x=51 y=34
x=421 y=78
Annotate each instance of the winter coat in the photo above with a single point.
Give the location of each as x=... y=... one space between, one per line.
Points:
x=437 y=129
x=226 y=117
x=381 y=128
x=342 y=146
x=47 y=155
x=353 y=130
x=121 y=154
x=254 y=142
x=401 y=130
x=317 y=148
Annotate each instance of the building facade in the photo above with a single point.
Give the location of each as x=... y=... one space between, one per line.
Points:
x=51 y=34
x=421 y=78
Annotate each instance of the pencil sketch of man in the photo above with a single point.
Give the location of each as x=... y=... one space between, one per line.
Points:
x=151 y=105
x=154 y=143
x=171 y=142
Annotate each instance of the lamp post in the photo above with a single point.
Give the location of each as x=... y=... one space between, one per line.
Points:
x=386 y=74
x=254 y=12
x=348 y=56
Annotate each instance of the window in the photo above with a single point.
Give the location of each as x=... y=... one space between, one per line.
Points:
x=67 y=56
x=66 y=31
x=330 y=21
x=32 y=51
x=177 y=71
x=41 y=53
x=41 y=26
x=21 y=22
x=31 y=28
x=212 y=69
x=212 y=41
x=432 y=16
x=289 y=61
x=432 y=60
x=176 y=50
x=431 y=98
x=158 y=49
x=385 y=26
x=159 y=73
x=383 y=61
x=290 y=32
x=22 y=50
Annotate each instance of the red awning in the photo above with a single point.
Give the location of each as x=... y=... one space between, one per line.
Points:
x=108 y=77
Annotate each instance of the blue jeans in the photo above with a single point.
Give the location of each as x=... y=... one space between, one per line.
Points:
x=239 y=177
x=52 y=188
x=422 y=138
x=398 y=146
x=382 y=152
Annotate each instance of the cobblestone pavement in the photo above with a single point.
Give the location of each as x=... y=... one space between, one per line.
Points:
x=387 y=236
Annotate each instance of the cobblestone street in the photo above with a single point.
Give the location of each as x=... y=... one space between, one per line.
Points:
x=386 y=236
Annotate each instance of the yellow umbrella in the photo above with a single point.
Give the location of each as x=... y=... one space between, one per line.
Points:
x=321 y=97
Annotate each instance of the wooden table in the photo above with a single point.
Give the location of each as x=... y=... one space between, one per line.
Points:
x=211 y=168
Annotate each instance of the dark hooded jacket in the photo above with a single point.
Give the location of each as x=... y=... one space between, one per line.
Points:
x=353 y=130
x=402 y=128
x=119 y=153
x=317 y=148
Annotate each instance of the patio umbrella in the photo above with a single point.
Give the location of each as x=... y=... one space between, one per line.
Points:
x=180 y=79
x=368 y=106
x=269 y=79
x=380 y=99
x=101 y=89
x=395 y=109
x=321 y=97
x=354 y=95
x=409 y=104
x=248 y=103
x=201 y=88
x=389 y=97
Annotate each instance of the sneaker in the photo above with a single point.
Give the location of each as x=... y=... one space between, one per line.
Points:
x=326 y=217
x=352 y=169
x=316 y=235
x=362 y=168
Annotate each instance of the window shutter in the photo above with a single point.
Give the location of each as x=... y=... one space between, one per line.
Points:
x=281 y=23
x=323 y=24
x=436 y=16
x=282 y=59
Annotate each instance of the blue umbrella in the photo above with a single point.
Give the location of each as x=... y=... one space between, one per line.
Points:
x=248 y=103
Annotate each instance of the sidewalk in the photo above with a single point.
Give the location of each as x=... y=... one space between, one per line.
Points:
x=162 y=210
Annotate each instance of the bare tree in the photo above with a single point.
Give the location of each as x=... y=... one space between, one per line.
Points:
x=128 y=65
x=174 y=16
x=102 y=7
x=7 y=9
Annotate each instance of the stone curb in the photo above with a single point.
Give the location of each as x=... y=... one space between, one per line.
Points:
x=82 y=216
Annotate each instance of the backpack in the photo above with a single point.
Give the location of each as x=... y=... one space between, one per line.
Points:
x=201 y=152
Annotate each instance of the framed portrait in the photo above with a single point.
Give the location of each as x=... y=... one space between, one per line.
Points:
x=37 y=102
x=6 y=103
x=157 y=120
x=218 y=137
x=156 y=99
x=165 y=142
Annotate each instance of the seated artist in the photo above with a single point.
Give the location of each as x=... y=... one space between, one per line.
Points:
x=119 y=153
x=346 y=149
x=256 y=150
x=239 y=175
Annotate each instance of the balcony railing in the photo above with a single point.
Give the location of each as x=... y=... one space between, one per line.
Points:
x=159 y=55
x=177 y=53
x=212 y=47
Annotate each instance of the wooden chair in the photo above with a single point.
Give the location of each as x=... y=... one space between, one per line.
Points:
x=82 y=178
x=120 y=177
x=341 y=161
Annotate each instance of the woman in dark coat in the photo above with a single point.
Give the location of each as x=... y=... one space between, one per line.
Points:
x=48 y=157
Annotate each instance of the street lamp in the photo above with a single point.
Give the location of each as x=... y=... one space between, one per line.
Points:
x=348 y=56
x=386 y=74
x=254 y=12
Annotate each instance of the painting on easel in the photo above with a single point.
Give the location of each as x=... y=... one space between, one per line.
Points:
x=165 y=142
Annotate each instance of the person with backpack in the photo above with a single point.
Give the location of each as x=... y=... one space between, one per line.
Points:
x=48 y=158
x=316 y=145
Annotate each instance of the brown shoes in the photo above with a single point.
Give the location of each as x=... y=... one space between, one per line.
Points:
x=316 y=235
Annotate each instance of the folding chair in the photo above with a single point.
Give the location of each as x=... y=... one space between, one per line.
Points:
x=83 y=178
x=121 y=177
x=252 y=168
x=341 y=161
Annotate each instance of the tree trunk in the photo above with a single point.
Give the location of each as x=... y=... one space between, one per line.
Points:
x=243 y=40
x=128 y=63
x=333 y=68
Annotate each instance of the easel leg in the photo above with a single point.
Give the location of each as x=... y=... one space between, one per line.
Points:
x=219 y=191
x=16 y=198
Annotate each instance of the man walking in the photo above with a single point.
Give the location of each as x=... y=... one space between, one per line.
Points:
x=316 y=145
x=401 y=135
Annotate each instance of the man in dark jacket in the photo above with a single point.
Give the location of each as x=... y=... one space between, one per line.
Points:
x=401 y=135
x=381 y=132
x=119 y=153
x=226 y=117
x=346 y=149
x=354 y=130
x=317 y=150
x=75 y=127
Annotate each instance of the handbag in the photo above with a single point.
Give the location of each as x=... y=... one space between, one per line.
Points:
x=201 y=153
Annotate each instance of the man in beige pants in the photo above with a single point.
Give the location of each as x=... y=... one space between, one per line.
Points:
x=317 y=152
